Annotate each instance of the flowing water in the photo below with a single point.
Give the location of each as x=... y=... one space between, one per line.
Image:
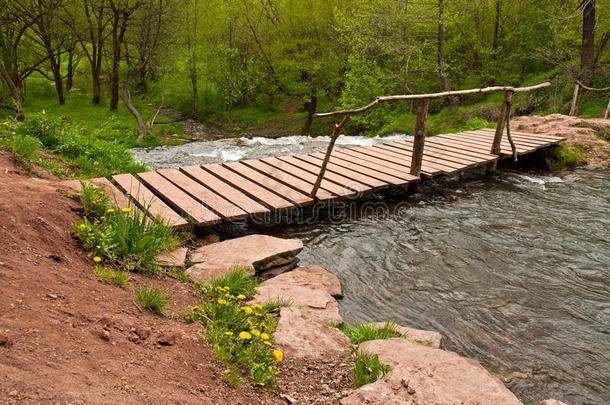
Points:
x=512 y=270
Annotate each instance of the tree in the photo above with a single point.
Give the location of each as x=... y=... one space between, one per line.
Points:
x=92 y=39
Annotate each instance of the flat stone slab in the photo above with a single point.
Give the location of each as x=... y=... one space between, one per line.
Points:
x=173 y=258
x=252 y=252
x=424 y=375
x=423 y=337
x=311 y=276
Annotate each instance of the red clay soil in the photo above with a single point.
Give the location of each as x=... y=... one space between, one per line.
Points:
x=67 y=337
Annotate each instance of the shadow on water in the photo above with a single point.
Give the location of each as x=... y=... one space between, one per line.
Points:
x=512 y=270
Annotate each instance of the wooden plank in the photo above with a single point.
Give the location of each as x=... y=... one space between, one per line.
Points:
x=270 y=183
x=393 y=155
x=376 y=164
x=432 y=155
x=520 y=142
x=526 y=134
x=456 y=156
x=372 y=182
x=331 y=176
x=370 y=169
x=115 y=195
x=525 y=140
x=459 y=149
x=178 y=199
x=427 y=164
x=215 y=202
x=505 y=145
x=288 y=179
x=146 y=200
x=226 y=191
x=326 y=185
x=465 y=139
x=248 y=187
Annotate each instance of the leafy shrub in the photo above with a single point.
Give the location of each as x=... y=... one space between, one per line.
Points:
x=95 y=201
x=241 y=334
x=362 y=332
x=368 y=368
x=127 y=238
x=152 y=299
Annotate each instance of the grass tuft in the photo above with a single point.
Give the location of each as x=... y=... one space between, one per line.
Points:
x=111 y=277
x=152 y=299
x=25 y=149
x=95 y=201
x=362 y=332
x=368 y=368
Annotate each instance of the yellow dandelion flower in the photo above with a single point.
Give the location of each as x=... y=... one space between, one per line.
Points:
x=13 y=133
x=219 y=289
x=102 y=217
x=228 y=295
x=229 y=333
x=258 y=306
x=226 y=288
x=97 y=259
x=255 y=332
x=82 y=225
x=263 y=325
x=110 y=210
x=266 y=342
x=245 y=335
x=250 y=323
x=258 y=314
x=101 y=192
x=264 y=336
x=247 y=310
x=86 y=152
x=126 y=209
x=279 y=356
x=95 y=163
x=195 y=308
x=241 y=297
x=129 y=216
x=222 y=302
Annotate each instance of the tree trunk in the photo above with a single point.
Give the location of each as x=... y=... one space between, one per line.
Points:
x=494 y=42
x=14 y=93
x=454 y=102
x=587 y=52
x=420 y=137
x=574 y=100
x=311 y=110
x=70 y=75
x=130 y=107
x=59 y=83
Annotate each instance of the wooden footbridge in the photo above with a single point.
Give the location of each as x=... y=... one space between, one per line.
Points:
x=217 y=193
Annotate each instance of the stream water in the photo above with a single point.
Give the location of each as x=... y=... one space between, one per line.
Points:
x=512 y=270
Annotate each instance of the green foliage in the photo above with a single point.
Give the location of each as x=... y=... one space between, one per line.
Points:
x=152 y=299
x=110 y=276
x=368 y=368
x=241 y=334
x=25 y=149
x=95 y=201
x=362 y=332
x=561 y=156
x=128 y=239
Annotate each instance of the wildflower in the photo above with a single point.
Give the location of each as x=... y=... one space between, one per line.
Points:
x=258 y=314
x=247 y=310
x=222 y=302
x=264 y=336
x=255 y=332
x=129 y=216
x=258 y=306
x=86 y=152
x=266 y=342
x=263 y=325
x=219 y=289
x=228 y=295
x=101 y=192
x=82 y=225
x=95 y=163
x=229 y=333
x=97 y=259
x=250 y=323
x=245 y=335
x=126 y=209
x=110 y=210
x=279 y=356
x=241 y=297
x=102 y=217
x=226 y=288
x=13 y=133
x=195 y=308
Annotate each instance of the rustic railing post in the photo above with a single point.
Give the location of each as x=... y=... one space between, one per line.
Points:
x=504 y=114
x=333 y=138
x=420 y=136
x=574 y=99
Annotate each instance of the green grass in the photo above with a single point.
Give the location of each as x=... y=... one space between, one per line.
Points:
x=127 y=240
x=111 y=277
x=25 y=148
x=368 y=369
x=561 y=156
x=241 y=334
x=152 y=299
x=361 y=332
x=95 y=201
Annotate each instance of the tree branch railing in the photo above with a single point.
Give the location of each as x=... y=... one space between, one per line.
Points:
x=420 y=123
x=577 y=88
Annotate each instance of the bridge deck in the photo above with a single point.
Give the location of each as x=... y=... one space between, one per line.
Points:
x=214 y=193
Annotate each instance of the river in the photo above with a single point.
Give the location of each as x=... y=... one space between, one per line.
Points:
x=512 y=270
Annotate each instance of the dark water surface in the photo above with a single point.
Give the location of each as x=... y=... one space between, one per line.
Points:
x=515 y=274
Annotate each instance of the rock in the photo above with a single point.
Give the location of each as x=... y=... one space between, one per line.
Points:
x=272 y=272
x=424 y=375
x=5 y=339
x=424 y=337
x=143 y=333
x=551 y=402
x=173 y=258
x=253 y=252
x=299 y=337
x=311 y=276
x=316 y=305
x=288 y=398
x=208 y=239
